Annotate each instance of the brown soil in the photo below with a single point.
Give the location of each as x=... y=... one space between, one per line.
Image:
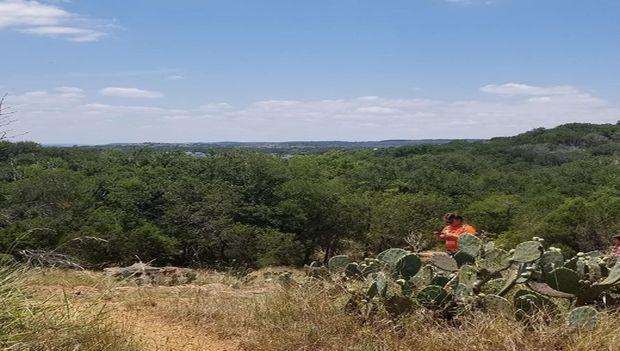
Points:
x=154 y=333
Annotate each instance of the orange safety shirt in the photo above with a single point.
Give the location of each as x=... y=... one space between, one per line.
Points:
x=452 y=241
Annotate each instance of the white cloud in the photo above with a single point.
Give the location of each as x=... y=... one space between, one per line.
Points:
x=50 y=116
x=33 y=17
x=29 y=13
x=70 y=33
x=130 y=93
x=121 y=109
x=524 y=89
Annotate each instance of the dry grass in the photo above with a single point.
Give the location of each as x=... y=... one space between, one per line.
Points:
x=312 y=318
x=28 y=323
x=221 y=312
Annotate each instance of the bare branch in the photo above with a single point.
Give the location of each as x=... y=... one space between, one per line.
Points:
x=418 y=241
x=6 y=113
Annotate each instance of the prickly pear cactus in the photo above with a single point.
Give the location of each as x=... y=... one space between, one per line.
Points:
x=510 y=280
x=528 y=251
x=519 y=283
x=470 y=245
x=497 y=304
x=462 y=258
x=492 y=286
x=391 y=256
x=369 y=266
x=433 y=297
x=462 y=293
x=408 y=266
x=440 y=280
x=528 y=303
x=613 y=278
x=444 y=262
x=423 y=278
x=337 y=264
x=545 y=289
x=467 y=275
x=551 y=260
x=494 y=260
x=352 y=270
x=563 y=279
x=378 y=287
x=585 y=318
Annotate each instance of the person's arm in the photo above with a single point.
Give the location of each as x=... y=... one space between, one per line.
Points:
x=437 y=234
x=471 y=230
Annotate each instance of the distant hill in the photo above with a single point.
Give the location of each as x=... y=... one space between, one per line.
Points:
x=278 y=147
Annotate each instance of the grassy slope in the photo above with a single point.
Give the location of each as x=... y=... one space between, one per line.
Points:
x=220 y=312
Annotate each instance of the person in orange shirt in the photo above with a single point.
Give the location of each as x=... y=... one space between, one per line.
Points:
x=455 y=228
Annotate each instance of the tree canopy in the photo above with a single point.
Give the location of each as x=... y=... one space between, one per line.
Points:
x=245 y=207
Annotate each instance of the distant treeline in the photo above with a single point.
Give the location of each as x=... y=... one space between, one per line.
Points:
x=284 y=147
x=246 y=207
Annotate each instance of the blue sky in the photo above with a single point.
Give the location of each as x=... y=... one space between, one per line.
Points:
x=188 y=70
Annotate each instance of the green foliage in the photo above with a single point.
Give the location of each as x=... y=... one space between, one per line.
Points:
x=248 y=208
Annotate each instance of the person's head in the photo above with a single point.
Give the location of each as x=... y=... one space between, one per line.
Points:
x=615 y=240
x=453 y=219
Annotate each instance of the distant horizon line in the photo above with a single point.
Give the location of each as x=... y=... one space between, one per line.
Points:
x=262 y=142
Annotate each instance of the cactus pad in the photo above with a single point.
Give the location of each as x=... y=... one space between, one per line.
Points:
x=546 y=290
x=444 y=262
x=391 y=256
x=378 y=286
x=493 y=286
x=424 y=277
x=584 y=317
x=371 y=267
x=462 y=258
x=408 y=265
x=495 y=260
x=563 y=279
x=528 y=251
x=470 y=244
x=527 y=303
x=462 y=292
x=352 y=270
x=510 y=280
x=614 y=276
x=467 y=275
x=337 y=264
x=498 y=304
x=551 y=260
x=433 y=297
x=440 y=280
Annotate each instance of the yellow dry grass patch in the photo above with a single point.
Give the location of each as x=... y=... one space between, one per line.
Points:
x=220 y=312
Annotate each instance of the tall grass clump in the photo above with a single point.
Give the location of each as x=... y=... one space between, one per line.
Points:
x=29 y=323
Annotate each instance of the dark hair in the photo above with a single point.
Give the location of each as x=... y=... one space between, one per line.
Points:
x=449 y=217
x=617 y=236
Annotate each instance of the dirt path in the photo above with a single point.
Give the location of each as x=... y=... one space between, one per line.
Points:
x=156 y=334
